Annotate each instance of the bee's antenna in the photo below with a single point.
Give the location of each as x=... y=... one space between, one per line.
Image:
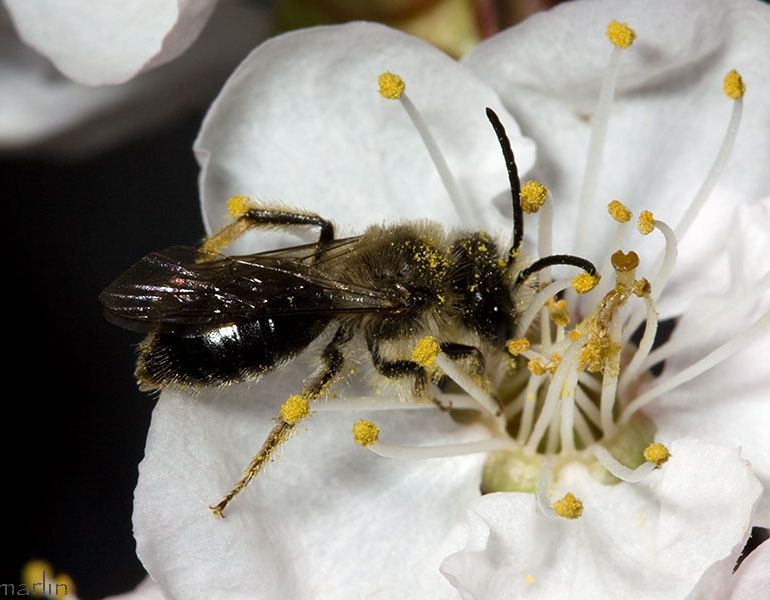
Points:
x=513 y=178
x=556 y=259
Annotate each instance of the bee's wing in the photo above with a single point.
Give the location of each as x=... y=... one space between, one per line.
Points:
x=173 y=289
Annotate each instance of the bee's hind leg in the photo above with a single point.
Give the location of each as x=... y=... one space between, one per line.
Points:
x=291 y=414
x=249 y=215
x=463 y=351
x=397 y=369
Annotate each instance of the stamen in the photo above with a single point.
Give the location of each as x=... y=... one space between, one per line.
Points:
x=620 y=470
x=646 y=223
x=366 y=433
x=588 y=407
x=569 y=507
x=559 y=312
x=619 y=212
x=379 y=403
x=423 y=452
x=538 y=301
x=567 y=419
x=516 y=347
x=622 y=37
x=294 y=409
x=657 y=453
x=475 y=391
x=536 y=367
x=393 y=87
x=530 y=402
x=585 y=282
x=541 y=492
x=711 y=360
x=532 y=196
x=645 y=344
x=583 y=430
x=734 y=88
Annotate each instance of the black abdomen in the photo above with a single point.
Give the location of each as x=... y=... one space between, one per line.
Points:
x=223 y=355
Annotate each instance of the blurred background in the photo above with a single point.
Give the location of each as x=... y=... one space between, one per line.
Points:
x=94 y=178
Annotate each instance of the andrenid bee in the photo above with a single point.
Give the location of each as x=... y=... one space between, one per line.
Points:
x=214 y=320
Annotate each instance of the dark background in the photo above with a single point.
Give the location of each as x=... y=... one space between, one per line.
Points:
x=74 y=432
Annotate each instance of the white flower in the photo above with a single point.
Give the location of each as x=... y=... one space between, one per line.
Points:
x=301 y=122
x=42 y=109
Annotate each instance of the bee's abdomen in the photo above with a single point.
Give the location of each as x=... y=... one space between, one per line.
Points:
x=223 y=355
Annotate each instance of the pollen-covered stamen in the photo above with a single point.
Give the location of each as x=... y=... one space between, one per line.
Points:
x=585 y=282
x=619 y=212
x=532 y=196
x=538 y=302
x=393 y=87
x=621 y=37
x=734 y=89
x=559 y=312
x=657 y=453
x=711 y=360
x=569 y=507
x=519 y=346
x=620 y=470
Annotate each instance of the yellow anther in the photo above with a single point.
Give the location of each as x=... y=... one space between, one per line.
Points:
x=619 y=212
x=426 y=351
x=620 y=34
x=532 y=196
x=501 y=263
x=623 y=262
x=295 y=409
x=391 y=86
x=366 y=433
x=646 y=223
x=516 y=347
x=733 y=85
x=536 y=367
x=33 y=572
x=575 y=335
x=591 y=357
x=585 y=282
x=63 y=586
x=559 y=312
x=642 y=287
x=569 y=507
x=554 y=364
x=238 y=206
x=656 y=453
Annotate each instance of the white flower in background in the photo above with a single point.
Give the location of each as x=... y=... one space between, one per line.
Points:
x=300 y=121
x=113 y=45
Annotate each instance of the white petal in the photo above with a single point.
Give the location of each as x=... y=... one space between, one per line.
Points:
x=301 y=123
x=670 y=112
x=651 y=540
x=40 y=110
x=109 y=41
x=326 y=519
x=752 y=580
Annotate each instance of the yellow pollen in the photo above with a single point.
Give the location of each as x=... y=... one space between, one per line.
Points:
x=623 y=262
x=294 y=409
x=646 y=223
x=426 y=351
x=536 y=367
x=554 y=364
x=620 y=34
x=733 y=85
x=366 y=433
x=585 y=282
x=592 y=356
x=656 y=453
x=516 y=347
x=559 y=312
x=575 y=335
x=391 y=86
x=569 y=507
x=532 y=196
x=619 y=212
x=529 y=579
x=501 y=263
x=642 y=287
x=238 y=206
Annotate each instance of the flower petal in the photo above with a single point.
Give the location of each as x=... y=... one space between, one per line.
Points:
x=46 y=112
x=301 y=122
x=752 y=580
x=109 y=41
x=326 y=520
x=650 y=540
x=670 y=113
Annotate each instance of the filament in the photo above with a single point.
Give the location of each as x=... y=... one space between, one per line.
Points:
x=422 y=452
x=618 y=469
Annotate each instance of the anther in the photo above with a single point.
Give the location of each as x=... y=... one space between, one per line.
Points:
x=366 y=433
x=239 y=205
x=554 y=364
x=733 y=85
x=642 y=287
x=623 y=262
x=656 y=453
x=619 y=212
x=536 y=367
x=559 y=312
x=294 y=409
x=516 y=347
x=575 y=335
x=532 y=196
x=620 y=34
x=391 y=85
x=569 y=507
x=426 y=351
x=585 y=282
x=646 y=223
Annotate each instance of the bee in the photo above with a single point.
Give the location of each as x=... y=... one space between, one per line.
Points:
x=216 y=320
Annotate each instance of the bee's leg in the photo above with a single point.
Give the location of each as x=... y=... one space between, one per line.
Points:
x=333 y=360
x=460 y=351
x=248 y=216
x=396 y=369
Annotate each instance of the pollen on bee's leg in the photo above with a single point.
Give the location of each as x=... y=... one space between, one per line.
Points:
x=426 y=351
x=239 y=205
x=294 y=409
x=393 y=87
